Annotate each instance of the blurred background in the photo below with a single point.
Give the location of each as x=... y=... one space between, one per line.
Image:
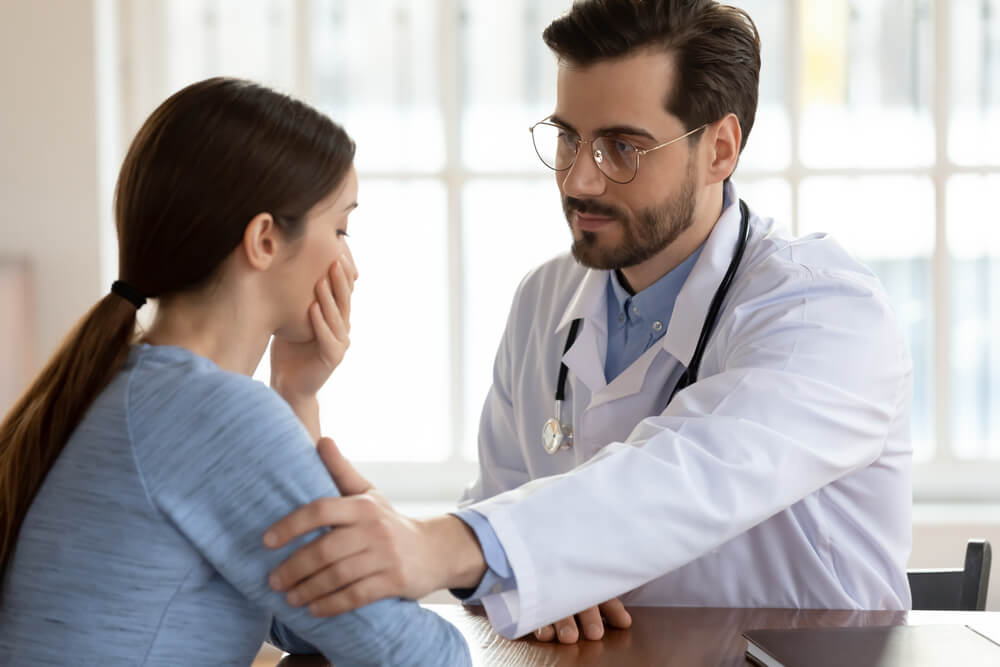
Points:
x=879 y=122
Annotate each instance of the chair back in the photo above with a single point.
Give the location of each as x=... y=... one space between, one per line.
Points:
x=953 y=589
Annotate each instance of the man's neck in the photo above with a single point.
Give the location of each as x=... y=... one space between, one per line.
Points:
x=639 y=277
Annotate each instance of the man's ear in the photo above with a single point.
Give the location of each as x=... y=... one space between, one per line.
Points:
x=723 y=145
x=261 y=241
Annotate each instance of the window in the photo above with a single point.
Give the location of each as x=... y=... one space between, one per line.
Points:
x=879 y=122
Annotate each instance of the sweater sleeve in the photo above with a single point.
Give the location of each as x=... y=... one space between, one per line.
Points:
x=223 y=457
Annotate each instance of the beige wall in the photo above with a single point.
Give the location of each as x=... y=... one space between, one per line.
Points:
x=49 y=211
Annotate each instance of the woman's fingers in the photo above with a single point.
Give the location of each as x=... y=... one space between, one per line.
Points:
x=341 y=288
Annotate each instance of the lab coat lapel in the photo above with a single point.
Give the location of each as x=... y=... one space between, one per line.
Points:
x=585 y=359
x=696 y=295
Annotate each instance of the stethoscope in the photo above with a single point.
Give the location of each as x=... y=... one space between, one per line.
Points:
x=556 y=435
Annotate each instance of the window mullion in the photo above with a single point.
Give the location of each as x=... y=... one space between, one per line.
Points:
x=450 y=72
x=942 y=261
x=793 y=81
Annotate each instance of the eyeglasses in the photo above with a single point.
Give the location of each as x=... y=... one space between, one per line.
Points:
x=617 y=159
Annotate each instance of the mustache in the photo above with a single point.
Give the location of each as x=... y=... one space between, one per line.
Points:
x=590 y=207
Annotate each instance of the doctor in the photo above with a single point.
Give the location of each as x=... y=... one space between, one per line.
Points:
x=777 y=475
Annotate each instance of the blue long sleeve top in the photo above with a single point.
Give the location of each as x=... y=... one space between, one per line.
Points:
x=143 y=545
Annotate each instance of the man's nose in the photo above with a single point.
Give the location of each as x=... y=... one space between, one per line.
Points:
x=584 y=179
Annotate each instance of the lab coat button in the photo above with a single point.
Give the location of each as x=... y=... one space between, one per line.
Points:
x=657 y=326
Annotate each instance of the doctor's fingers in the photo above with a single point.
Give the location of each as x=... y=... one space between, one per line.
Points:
x=358 y=594
x=320 y=514
x=335 y=577
x=590 y=623
x=567 y=631
x=615 y=614
x=322 y=552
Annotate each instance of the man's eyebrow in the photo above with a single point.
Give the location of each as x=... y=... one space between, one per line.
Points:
x=604 y=131
x=351 y=207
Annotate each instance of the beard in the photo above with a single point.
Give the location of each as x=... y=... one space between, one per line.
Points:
x=652 y=230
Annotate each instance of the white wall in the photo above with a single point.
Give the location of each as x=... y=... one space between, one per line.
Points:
x=49 y=211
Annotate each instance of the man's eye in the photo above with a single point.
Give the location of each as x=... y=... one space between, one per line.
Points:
x=623 y=147
x=343 y=232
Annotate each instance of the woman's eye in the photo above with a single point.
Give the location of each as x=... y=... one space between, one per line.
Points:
x=343 y=233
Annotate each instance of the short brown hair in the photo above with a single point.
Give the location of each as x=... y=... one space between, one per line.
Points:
x=716 y=49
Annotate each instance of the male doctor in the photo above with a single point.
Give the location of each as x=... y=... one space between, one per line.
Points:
x=779 y=473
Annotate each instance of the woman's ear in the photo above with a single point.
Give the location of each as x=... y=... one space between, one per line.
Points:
x=724 y=148
x=261 y=241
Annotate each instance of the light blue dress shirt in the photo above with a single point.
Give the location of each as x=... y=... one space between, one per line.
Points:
x=635 y=323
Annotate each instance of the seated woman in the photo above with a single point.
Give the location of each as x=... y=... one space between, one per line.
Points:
x=138 y=478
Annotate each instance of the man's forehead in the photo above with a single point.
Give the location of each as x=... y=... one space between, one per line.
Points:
x=625 y=92
x=630 y=90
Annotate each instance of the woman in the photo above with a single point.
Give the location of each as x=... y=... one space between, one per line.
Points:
x=136 y=480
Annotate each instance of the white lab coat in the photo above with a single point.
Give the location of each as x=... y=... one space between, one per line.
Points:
x=781 y=478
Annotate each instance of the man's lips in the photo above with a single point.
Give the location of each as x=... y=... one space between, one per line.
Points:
x=589 y=222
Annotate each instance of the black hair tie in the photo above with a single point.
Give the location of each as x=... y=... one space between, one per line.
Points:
x=129 y=293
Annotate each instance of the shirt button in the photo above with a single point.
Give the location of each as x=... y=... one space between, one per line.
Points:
x=497 y=588
x=657 y=326
x=621 y=317
x=635 y=310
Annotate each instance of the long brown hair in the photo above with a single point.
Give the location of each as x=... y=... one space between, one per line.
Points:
x=208 y=160
x=716 y=50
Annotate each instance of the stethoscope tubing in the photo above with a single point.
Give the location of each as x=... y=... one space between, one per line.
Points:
x=562 y=434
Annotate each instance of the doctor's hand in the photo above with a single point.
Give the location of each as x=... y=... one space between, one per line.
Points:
x=373 y=552
x=591 y=620
x=299 y=370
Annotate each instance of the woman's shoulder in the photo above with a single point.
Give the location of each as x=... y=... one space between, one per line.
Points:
x=164 y=379
x=179 y=400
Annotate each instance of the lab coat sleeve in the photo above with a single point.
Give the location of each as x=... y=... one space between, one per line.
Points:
x=799 y=387
x=501 y=463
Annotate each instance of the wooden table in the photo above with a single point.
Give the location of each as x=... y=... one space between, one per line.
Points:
x=681 y=636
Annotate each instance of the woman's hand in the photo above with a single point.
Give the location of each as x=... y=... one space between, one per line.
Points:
x=299 y=370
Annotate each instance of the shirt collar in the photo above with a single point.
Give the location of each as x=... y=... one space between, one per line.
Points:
x=656 y=302
x=588 y=302
x=696 y=295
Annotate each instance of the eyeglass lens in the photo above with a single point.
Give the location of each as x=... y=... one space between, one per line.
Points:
x=558 y=149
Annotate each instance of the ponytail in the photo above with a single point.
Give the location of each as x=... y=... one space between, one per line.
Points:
x=34 y=432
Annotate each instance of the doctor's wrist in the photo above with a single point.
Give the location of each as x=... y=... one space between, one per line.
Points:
x=458 y=552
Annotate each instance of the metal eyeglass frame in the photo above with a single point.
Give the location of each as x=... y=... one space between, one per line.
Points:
x=598 y=159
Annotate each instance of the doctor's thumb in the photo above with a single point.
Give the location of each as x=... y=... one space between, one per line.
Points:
x=348 y=480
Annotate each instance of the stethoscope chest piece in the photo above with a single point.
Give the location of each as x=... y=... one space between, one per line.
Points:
x=556 y=436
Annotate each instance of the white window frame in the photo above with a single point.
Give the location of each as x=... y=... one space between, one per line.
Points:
x=942 y=479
